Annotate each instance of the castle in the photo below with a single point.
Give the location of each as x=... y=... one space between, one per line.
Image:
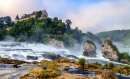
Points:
x=25 y=17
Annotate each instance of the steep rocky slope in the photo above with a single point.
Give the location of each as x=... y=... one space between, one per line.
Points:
x=89 y=49
x=57 y=44
x=109 y=50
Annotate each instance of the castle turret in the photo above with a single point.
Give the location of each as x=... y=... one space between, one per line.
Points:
x=16 y=19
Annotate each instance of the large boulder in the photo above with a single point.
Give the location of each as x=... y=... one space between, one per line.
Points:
x=109 y=50
x=32 y=58
x=56 y=43
x=89 y=49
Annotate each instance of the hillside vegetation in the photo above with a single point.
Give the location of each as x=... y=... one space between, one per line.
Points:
x=115 y=36
x=36 y=30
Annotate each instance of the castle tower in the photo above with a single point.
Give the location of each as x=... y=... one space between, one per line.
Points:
x=44 y=14
x=16 y=19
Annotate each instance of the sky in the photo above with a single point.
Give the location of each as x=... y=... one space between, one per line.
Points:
x=88 y=15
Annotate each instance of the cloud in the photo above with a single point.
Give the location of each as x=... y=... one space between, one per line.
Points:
x=55 y=8
x=20 y=7
x=88 y=15
x=103 y=16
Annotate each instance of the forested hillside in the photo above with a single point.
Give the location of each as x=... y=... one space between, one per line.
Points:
x=41 y=30
x=4 y=23
x=115 y=35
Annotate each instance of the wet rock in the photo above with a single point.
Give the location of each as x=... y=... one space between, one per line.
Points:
x=16 y=66
x=72 y=56
x=17 y=56
x=4 y=55
x=32 y=58
x=11 y=61
x=35 y=62
x=89 y=49
x=51 y=56
x=73 y=61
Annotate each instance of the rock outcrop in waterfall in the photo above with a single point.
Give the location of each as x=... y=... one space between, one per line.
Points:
x=89 y=49
x=57 y=44
x=110 y=51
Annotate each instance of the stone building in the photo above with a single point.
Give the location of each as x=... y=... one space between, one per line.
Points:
x=32 y=15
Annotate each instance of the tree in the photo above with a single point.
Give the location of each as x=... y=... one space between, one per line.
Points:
x=55 y=20
x=2 y=33
x=1 y=25
x=31 y=20
x=68 y=22
x=8 y=20
x=12 y=23
x=2 y=19
x=38 y=15
x=82 y=62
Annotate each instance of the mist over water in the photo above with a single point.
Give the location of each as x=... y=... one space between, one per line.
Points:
x=122 y=47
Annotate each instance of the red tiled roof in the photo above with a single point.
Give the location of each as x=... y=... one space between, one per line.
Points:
x=29 y=15
x=24 y=19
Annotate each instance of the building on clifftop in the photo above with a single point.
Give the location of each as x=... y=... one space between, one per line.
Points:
x=25 y=17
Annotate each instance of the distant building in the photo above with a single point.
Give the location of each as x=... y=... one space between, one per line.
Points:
x=33 y=15
x=8 y=28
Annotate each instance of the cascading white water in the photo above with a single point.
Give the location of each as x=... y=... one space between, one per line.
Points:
x=15 y=50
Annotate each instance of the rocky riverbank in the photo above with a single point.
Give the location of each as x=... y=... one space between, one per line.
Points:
x=51 y=70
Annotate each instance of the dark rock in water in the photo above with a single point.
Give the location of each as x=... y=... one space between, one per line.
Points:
x=89 y=49
x=5 y=66
x=35 y=62
x=10 y=45
x=16 y=66
x=72 y=56
x=52 y=56
x=32 y=58
x=4 y=55
x=110 y=51
x=17 y=56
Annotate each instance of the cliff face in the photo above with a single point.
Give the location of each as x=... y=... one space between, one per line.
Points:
x=89 y=49
x=57 y=44
x=109 y=50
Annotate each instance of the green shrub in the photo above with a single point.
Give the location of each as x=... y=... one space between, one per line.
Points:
x=111 y=65
x=82 y=61
x=106 y=65
x=96 y=63
x=111 y=75
x=102 y=67
x=45 y=73
x=126 y=67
